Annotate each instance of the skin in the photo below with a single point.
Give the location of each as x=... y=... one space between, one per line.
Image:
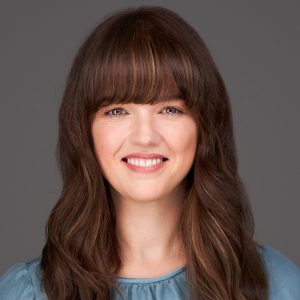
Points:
x=148 y=206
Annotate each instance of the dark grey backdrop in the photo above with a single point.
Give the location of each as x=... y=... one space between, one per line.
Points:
x=256 y=47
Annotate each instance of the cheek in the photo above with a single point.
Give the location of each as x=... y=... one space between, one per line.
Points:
x=105 y=140
x=183 y=138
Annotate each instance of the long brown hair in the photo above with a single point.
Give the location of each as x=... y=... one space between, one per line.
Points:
x=136 y=55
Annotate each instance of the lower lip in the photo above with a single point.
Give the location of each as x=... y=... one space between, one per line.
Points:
x=145 y=169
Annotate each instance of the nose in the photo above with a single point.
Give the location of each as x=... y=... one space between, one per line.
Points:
x=145 y=131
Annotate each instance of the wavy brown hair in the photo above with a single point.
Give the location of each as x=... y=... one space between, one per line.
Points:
x=136 y=55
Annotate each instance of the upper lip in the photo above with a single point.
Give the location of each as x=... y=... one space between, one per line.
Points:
x=144 y=155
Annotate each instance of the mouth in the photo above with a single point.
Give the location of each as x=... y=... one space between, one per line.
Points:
x=125 y=159
x=146 y=166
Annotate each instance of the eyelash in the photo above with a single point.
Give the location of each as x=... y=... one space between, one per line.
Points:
x=120 y=108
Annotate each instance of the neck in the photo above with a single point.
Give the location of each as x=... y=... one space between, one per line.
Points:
x=148 y=232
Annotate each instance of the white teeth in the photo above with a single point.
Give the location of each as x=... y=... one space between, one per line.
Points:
x=144 y=162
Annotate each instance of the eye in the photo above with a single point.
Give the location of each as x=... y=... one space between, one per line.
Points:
x=179 y=112
x=116 y=109
x=175 y=111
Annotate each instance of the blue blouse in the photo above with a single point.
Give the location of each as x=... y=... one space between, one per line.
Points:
x=22 y=281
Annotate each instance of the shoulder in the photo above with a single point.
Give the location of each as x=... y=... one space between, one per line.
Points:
x=284 y=274
x=22 y=281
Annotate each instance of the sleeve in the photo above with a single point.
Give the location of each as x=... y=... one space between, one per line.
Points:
x=16 y=284
x=284 y=275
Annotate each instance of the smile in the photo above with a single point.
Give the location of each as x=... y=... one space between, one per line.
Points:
x=144 y=165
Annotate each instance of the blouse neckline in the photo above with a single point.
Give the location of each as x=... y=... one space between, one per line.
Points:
x=169 y=275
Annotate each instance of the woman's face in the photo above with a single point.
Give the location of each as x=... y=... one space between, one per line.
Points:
x=166 y=128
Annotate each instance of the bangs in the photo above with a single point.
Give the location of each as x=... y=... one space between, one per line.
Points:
x=143 y=64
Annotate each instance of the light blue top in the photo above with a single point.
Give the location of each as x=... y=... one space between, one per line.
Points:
x=22 y=281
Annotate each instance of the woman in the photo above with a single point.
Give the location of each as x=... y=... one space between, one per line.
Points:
x=152 y=205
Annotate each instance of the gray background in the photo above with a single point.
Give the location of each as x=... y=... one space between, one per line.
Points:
x=256 y=47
